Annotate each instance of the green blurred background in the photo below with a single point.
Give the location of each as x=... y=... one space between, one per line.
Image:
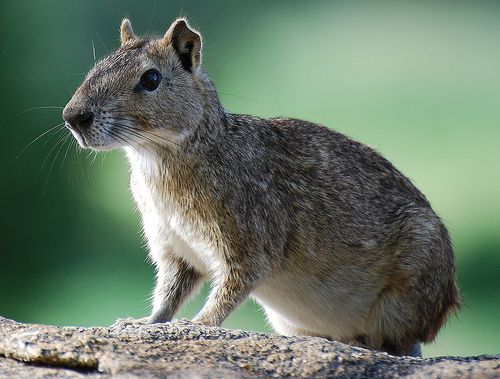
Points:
x=419 y=81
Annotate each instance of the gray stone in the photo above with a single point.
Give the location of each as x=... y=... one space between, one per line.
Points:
x=182 y=349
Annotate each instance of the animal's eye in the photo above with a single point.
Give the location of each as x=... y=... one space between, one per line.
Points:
x=150 y=80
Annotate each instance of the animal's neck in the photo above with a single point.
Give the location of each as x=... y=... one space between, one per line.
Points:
x=144 y=162
x=213 y=112
x=163 y=174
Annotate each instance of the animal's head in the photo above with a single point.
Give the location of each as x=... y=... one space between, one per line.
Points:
x=150 y=91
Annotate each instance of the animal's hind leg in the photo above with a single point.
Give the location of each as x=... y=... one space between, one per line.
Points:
x=418 y=296
x=416 y=351
x=394 y=324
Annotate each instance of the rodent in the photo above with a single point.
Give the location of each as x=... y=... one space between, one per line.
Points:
x=327 y=235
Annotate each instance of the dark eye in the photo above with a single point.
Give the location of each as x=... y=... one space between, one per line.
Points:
x=150 y=80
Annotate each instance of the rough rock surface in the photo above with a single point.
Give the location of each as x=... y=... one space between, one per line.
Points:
x=182 y=349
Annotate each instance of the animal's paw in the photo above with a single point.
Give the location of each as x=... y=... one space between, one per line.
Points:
x=196 y=321
x=204 y=320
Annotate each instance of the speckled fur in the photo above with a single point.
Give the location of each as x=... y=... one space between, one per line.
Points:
x=322 y=231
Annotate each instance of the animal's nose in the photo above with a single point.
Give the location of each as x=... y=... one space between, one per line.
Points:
x=81 y=119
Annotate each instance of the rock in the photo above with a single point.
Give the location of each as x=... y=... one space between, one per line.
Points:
x=182 y=349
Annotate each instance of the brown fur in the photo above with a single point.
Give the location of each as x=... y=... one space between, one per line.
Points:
x=325 y=233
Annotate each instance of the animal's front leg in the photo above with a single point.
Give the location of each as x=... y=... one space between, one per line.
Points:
x=230 y=289
x=176 y=281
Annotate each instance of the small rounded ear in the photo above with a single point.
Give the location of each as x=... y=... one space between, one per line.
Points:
x=186 y=43
x=126 y=31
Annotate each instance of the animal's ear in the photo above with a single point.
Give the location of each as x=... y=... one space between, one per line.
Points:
x=126 y=31
x=186 y=43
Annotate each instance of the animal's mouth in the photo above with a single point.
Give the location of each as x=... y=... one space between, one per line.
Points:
x=78 y=136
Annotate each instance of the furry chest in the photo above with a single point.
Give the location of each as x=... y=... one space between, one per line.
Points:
x=170 y=227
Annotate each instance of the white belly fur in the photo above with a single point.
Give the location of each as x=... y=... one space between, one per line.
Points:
x=296 y=305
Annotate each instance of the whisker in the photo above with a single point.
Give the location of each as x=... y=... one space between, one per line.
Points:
x=235 y=41
x=238 y=96
x=57 y=132
x=66 y=154
x=152 y=17
x=48 y=155
x=93 y=48
x=56 y=70
x=78 y=152
x=123 y=137
x=37 y=138
x=123 y=118
x=126 y=137
x=133 y=131
x=41 y=107
x=103 y=44
x=64 y=140
x=93 y=159
x=75 y=172
x=87 y=176
x=145 y=133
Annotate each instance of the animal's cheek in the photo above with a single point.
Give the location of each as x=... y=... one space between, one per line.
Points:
x=142 y=120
